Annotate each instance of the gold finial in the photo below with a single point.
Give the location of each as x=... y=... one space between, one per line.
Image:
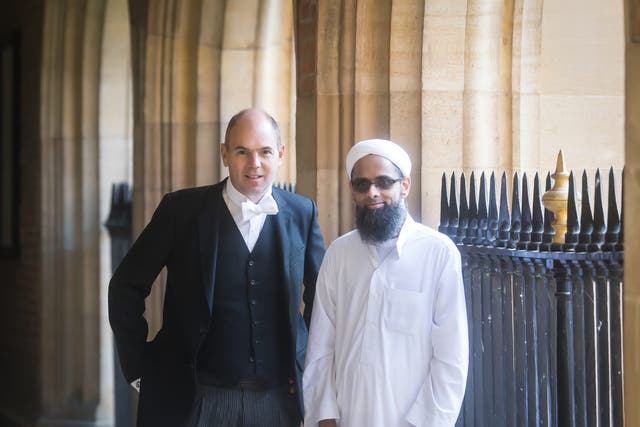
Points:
x=557 y=197
x=560 y=164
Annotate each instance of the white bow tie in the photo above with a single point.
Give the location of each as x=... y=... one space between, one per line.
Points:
x=266 y=206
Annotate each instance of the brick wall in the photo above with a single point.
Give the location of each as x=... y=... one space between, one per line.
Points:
x=20 y=281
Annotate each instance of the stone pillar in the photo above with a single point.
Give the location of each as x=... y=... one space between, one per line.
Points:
x=525 y=74
x=405 y=97
x=631 y=221
x=257 y=67
x=482 y=147
x=443 y=65
x=305 y=28
x=319 y=151
x=372 y=53
x=208 y=63
x=275 y=75
x=237 y=82
x=70 y=339
x=326 y=40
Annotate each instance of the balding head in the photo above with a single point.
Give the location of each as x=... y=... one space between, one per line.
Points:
x=252 y=114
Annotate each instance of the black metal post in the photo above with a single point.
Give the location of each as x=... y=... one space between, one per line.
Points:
x=565 y=355
x=119 y=226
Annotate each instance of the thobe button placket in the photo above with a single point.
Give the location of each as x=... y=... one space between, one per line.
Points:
x=374 y=307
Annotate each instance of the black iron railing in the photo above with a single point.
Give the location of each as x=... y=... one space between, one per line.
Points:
x=119 y=226
x=545 y=318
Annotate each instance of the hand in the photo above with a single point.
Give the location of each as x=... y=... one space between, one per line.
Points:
x=327 y=423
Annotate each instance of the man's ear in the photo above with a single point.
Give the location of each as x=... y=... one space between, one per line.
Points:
x=224 y=153
x=406 y=186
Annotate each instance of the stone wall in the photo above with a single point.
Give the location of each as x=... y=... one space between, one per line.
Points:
x=21 y=276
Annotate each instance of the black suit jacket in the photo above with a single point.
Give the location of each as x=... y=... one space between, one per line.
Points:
x=182 y=236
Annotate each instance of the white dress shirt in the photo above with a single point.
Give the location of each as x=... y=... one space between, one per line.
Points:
x=388 y=343
x=250 y=228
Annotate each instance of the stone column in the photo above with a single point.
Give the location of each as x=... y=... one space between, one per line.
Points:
x=325 y=112
x=70 y=340
x=257 y=67
x=443 y=65
x=482 y=147
x=525 y=74
x=275 y=75
x=208 y=63
x=305 y=29
x=405 y=97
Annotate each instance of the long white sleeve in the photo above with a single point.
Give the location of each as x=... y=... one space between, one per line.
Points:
x=319 y=380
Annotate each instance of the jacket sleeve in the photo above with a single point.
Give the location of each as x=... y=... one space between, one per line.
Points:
x=131 y=284
x=440 y=397
x=312 y=260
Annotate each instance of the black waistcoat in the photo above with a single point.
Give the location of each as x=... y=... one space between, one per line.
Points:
x=249 y=332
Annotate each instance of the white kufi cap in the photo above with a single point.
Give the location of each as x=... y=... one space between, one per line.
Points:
x=380 y=147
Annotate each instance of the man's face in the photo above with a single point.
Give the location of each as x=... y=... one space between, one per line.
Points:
x=378 y=191
x=372 y=168
x=252 y=155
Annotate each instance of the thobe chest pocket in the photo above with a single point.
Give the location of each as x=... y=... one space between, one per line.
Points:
x=403 y=310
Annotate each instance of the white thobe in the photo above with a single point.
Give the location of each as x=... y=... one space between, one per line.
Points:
x=388 y=343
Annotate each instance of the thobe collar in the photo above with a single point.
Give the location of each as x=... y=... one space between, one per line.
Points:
x=405 y=233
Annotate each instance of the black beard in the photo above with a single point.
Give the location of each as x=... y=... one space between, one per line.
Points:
x=382 y=224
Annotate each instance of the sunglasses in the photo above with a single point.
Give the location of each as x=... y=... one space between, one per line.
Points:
x=362 y=185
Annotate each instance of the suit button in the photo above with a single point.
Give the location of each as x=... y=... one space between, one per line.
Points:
x=252 y=282
x=251 y=359
x=258 y=341
x=253 y=302
x=251 y=263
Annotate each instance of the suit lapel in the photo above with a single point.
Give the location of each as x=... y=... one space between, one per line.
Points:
x=283 y=225
x=208 y=226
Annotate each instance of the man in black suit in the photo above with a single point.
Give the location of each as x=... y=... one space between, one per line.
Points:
x=232 y=344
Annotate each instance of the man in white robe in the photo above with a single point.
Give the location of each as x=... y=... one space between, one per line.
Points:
x=388 y=343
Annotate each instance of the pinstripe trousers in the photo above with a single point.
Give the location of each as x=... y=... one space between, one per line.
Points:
x=240 y=407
